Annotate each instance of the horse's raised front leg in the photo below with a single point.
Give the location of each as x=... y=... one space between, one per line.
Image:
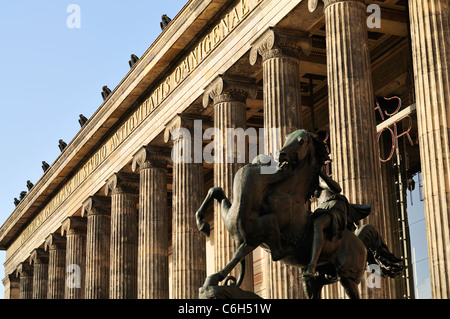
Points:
x=213 y=193
x=242 y=251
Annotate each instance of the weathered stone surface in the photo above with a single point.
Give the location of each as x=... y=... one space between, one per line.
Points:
x=12 y=286
x=55 y=244
x=98 y=212
x=153 y=241
x=430 y=39
x=124 y=235
x=229 y=96
x=74 y=228
x=354 y=149
x=25 y=274
x=188 y=245
x=39 y=259
x=280 y=51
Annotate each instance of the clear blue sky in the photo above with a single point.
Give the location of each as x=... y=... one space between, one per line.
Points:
x=51 y=73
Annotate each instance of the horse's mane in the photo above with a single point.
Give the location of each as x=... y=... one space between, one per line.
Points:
x=321 y=149
x=321 y=155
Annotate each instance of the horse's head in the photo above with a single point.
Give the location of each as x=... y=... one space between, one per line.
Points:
x=299 y=146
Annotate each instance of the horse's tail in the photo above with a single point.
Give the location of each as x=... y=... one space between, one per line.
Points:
x=240 y=279
x=378 y=252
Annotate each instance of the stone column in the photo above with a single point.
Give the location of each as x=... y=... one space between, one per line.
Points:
x=124 y=189
x=280 y=51
x=188 y=244
x=25 y=273
x=12 y=286
x=430 y=39
x=55 y=244
x=39 y=259
x=153 y=236
x=74 y=228
x=229 y=98
x=98 y=211
x=354 y=148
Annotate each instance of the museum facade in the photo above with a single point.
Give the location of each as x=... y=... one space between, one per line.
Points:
x=114 y=215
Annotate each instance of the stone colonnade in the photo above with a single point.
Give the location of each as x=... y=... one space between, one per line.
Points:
x=119 y=246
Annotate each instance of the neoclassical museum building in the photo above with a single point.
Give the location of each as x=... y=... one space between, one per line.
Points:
x=114 y=215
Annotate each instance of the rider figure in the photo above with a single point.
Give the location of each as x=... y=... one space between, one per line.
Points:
x=332 y=216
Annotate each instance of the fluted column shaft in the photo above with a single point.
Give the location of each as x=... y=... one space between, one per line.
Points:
x=25 y=274
x=282 y=98
x=153 y=238
x=280 y=51
x=430 y=39
x=98 y=210
x=12 y=286
x=354 y=150
x=229 y=98
x=188 y=244
x=39 y=259
x=75 y=230
x=124 y=236
x=56 y=247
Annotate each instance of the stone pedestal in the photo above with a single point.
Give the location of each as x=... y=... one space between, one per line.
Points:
x=280 y=50
x=354 y=149
x=226 y=292
x=188 y=244
x=124 y=235
x=25 y=273
x=39 y=259
x=153 y=247
x=98 y=212
x=430 y=40
x=74 y=228
x=55 y=244
x=229 y=98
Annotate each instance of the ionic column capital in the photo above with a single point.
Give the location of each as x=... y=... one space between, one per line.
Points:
x=24 y=270
x=96 y=205
x=330 y=2
x=180 y=121
x=38 y=256
x=9 y=279
x=54 y=242
x=151 y=157
x=122 y=183
x=277 y=42
x=227 y=89
x=74 y=225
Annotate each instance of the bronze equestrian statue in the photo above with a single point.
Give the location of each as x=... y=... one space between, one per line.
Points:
x=269 y=210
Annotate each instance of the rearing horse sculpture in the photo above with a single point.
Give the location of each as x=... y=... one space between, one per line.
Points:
x=269 y=210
